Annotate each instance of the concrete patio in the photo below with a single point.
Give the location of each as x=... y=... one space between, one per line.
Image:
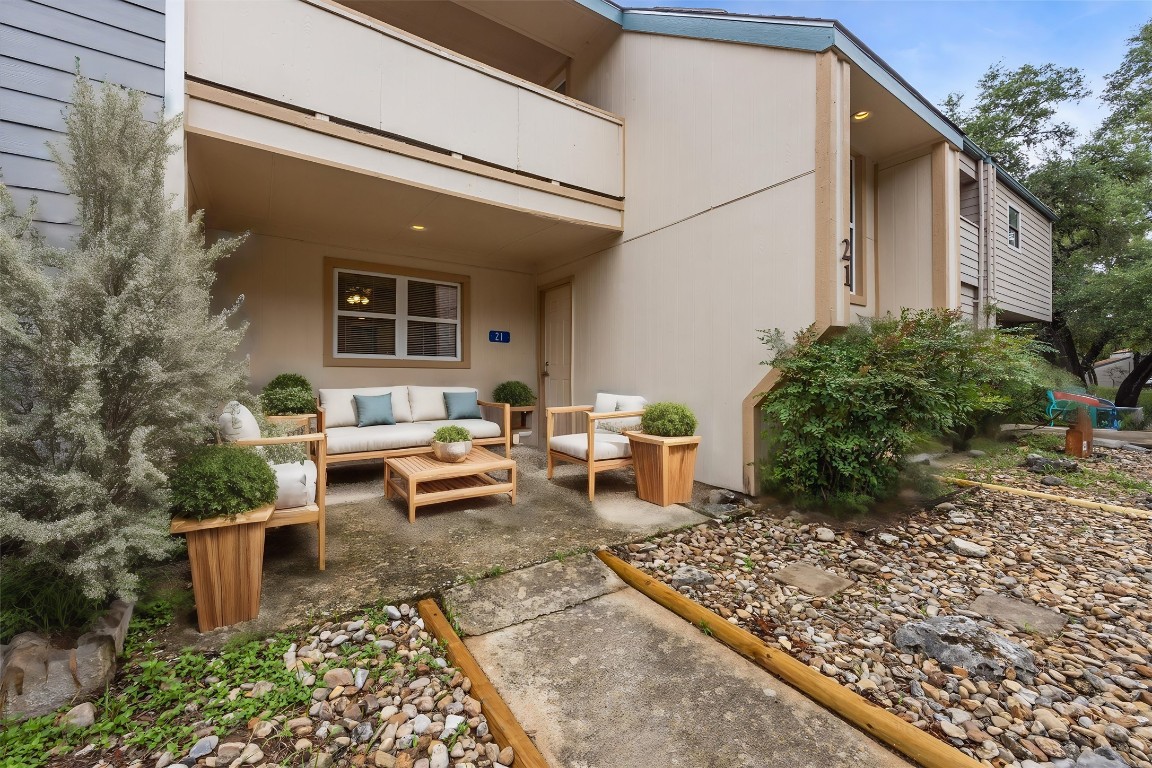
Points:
x=374 y=554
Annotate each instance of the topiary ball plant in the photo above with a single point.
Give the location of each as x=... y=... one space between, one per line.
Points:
x=668 y=420
x=289 y=381
x=452 y=434
x=515 y=393
x=281 y=402
x=221 y=481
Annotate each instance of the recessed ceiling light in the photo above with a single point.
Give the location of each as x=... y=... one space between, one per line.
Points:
x=418 y=227
x=862 y=115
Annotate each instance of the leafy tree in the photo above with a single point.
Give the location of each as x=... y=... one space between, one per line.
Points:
x=1014 y=116
x=113 y=360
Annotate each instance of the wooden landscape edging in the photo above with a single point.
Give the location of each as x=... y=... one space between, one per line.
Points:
x=902 y=736
x=1143 y=514
x=505 y=728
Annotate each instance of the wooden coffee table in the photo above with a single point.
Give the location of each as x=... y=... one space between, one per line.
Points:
x=421 y=479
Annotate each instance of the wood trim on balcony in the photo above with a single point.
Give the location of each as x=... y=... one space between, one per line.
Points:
x=300 y=119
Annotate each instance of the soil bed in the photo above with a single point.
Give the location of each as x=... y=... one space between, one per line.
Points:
x=1094 y=676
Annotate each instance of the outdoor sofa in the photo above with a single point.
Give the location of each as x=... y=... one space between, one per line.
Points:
x=359 y=429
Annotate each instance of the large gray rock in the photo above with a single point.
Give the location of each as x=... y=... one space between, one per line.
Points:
x=1104 y=757
x=960 y=642
x=1026 y=617
x=812 y=580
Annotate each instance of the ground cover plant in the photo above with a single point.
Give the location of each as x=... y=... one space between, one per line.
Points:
x=114 y=362
x=847 y=409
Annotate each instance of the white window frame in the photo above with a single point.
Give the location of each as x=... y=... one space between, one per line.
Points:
x=401 y=317
x=1013 y=209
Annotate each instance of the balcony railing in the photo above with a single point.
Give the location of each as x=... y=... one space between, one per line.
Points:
x=319 y=57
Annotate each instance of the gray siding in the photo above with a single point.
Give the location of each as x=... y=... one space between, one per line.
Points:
x=121 y=41
x=969 y=252
x=970 y=201
x=1023 y=276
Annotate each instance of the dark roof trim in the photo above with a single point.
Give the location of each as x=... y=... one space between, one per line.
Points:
x=973 y=150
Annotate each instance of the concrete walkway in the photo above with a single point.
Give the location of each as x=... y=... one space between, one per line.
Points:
x=1109 y=438
x=602 y=677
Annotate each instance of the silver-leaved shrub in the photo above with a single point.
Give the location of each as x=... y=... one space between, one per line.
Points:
x=113 y=359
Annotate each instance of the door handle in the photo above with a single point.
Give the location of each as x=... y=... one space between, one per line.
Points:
x=545 y=371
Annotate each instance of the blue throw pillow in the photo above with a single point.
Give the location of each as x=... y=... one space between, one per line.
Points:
x=373 y=410
x=462 y=405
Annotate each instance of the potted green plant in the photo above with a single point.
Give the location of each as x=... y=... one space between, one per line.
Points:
x=664 y=453
x=451 y=444
x=222 y=497
x=288 y=397
x=516 y=393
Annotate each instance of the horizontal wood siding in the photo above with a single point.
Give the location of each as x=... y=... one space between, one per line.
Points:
x=969 y=252
x=967 y=166
x=968 y=301
x=970 y=200
x=1023 y=276
x=41 y=44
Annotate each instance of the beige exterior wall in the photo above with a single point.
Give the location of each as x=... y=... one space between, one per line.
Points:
x=1022 y=276
x=719 y=230
x=282 y=283
x=904 y=235
x=325 y=58
x=969 y=252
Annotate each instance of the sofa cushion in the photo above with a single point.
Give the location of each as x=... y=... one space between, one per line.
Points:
x=428 y=402
x=373 y=409
x=478 y=428
x=380 y=438
x=340 y=409
x=295 y=484
x=606 y=446
x=238 y=423
x=461 y=405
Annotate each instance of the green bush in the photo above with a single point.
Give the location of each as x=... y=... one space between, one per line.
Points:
x=221 y=481
x=848 y=408
x=281 y=402
x=38 y=598
x=515 y=393
x=289 y=381
x=452 y=434
x=668 y=420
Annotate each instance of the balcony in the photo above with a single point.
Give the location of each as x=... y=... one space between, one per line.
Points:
x=321 y=58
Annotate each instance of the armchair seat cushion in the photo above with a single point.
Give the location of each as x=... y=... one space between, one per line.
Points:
x=295 y=484
x=607 y=445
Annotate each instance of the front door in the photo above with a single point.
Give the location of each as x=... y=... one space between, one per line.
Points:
x=556 y=353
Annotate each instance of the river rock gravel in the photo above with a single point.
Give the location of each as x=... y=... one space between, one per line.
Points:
x=1092 y=691
x=383 y=696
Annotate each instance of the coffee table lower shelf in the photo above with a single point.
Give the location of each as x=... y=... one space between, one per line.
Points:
x=421 y=480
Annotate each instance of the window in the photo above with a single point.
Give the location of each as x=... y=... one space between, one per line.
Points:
x=394 y=315
x=1013 y=227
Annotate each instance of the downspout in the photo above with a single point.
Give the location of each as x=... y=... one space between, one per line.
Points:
x=980 y=241
x=990 y=235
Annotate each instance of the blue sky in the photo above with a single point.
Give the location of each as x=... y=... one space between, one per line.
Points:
x=941 y=46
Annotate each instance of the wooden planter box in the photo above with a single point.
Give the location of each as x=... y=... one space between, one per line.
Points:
x=665 y=467
x=227 y=559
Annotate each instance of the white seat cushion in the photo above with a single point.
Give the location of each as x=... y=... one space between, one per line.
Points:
x=295 y=484
x=478 y=428
x=607 y=446
x=383 y=437
x=340 y=407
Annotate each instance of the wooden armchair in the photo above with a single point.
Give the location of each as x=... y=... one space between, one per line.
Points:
x=597 y=450
x=311 y=513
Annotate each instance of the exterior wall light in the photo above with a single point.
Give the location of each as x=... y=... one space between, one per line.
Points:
x=861 y=116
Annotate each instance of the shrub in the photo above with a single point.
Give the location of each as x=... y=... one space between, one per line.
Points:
x=515 y=393
x=221 y=481
x=452 y=434
x=281 y=402
x=36 y=599
x=668 y=420
x=114 y=360
x=289 y=381
x=848 y=408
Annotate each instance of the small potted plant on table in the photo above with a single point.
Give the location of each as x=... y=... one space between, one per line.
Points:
x=222 y=497
x=451 y=444
x=288 y=398
x=664 y=453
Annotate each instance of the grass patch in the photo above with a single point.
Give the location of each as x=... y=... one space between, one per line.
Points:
x=37 y=599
